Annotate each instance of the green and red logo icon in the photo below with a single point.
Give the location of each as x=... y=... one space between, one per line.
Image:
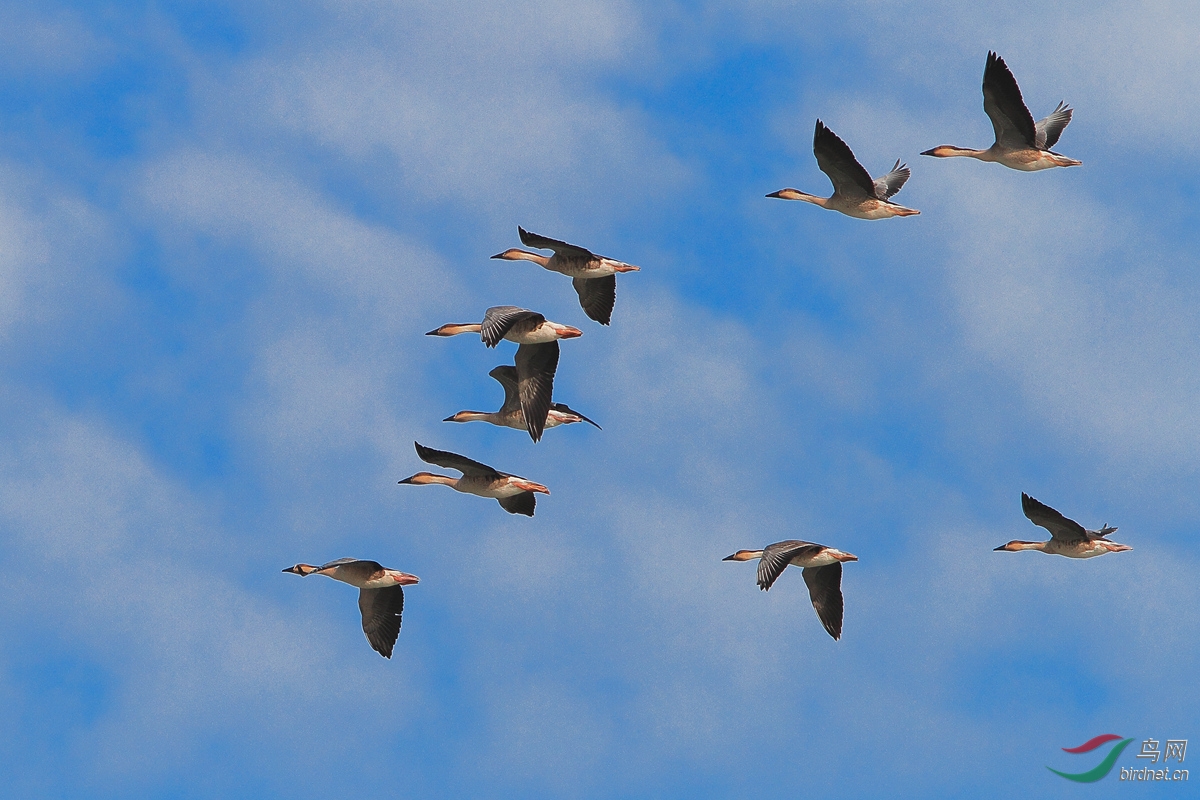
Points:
x=1101 y=769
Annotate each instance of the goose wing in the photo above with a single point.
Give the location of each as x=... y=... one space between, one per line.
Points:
x=563 y=407
x=546 y=243
x=1003 y=104
x=776 y=557
x=1104 y=532
x=506 y=376
x=1063 y=529
x=465 y=465
x=338 y=562
x=536 y=364
x=381 y=609
x=522 y=503
x=888 y=185
x=498 y=320
x=825 y=591
x=1049 y=129
x=836 y=159
x=597 y=296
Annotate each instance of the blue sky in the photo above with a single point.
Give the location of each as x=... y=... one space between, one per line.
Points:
x=225 y=228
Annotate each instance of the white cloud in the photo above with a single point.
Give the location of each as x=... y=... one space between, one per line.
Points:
x=138 y=578
x=50 y=42
x=495 y=109
x=52 y=246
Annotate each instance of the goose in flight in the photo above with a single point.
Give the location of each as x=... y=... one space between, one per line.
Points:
x=1020 y=143
x=516 y=324
x=515 y=494
x=511 y=414
x=1067 y=537
x=380 y=595
x=594 y=277
x=854 y=192
x=822 y=571
x=536 y=359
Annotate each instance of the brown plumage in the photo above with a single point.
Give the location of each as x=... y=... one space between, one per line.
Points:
x=822 y=570
x=1067 y=537
x=855 y=192
x=380 y=595
x=514 y=493
x=593 y=276
x=1021 y=143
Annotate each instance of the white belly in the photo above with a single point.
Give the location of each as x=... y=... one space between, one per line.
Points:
x=539 y=335
x=481 y=487
x=822 y=559
x=582 y=268
x=1026 y=160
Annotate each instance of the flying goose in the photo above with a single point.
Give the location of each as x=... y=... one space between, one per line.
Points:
x=1020 y=142
x=1067 y=537
x=510 y=414
x=516 y=324
x=515 y=494
x=594 y=277
x=822 y=571
x=854 y=192
x=380 y=595
x=536 y=359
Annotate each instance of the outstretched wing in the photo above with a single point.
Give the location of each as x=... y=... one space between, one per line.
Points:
x=522 y=503
x=1042 y=515
x=498 y=320
x=836 y=159
x=546 y=243
x=1002 y=102
x=465 y=465
x=536 y=365
x=825 y=591
x=597 y=296
x=776 y=557
x=888 y=185
x=506 y=376
x=1049 y=129
x=338 y=562
x=381 y=610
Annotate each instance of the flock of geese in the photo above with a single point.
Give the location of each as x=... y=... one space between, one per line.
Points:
x=1020 y=144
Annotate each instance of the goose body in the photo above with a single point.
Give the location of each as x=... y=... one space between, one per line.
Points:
x=822 y=571
x=511 y=414
x=594 y=277
x=1067 y=537
x=513 y=323
x=515 y=494
x=855 y=192
x=380 y=595
x=1020 y=142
